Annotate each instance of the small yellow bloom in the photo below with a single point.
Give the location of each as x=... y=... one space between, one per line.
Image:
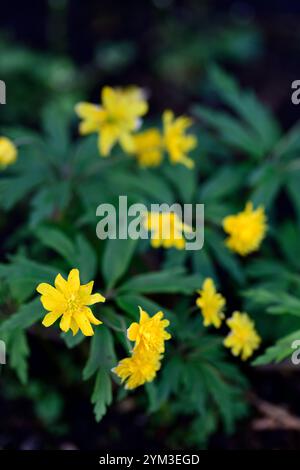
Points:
x=243 y=338
x=246 y=229
x=70 y=300
x=8 y=152
x=149 y=336
x=176 y=141
x=211 y=304
x=138 y=369
x=148 y=148
x=150 y=332
x=115 y=120
x=166 y=229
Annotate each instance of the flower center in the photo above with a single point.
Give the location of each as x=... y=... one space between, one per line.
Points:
x=73 y=303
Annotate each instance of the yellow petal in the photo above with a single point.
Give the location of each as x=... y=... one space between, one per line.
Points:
x=74 y=327
x=91 y=317
x=83 y=323
x=107 y=139
x=132 y=331
x=74 y=280
x=89 y=111
x=109 y=98
x=46 y=289
x=127 y=142
x=143 y=315
x=65 y=322
x=53 y=302
x=95 y=298
x=50 y=318
x=61 y=284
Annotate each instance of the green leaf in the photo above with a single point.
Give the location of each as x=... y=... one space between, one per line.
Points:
x=56 y=126
x=224 y=182
x=102 y=394
x=171 y=281
x=130 y=303
x=183 y=179
x=116 y=259
x=144 y=182
x=289 y=144
x=56 y=240
x=232 y=132
x=18 y=352
x=281 y=350
x=102 y=353
x=72 y=341
x=203 y=264
x=27 y=315
x=248 y=107
x=224 y=256
x=50 y=202
x=85 y=258
x=292 y=186
x=267 y=188
x=14 y=189
x=288 y=238
x=23 y=276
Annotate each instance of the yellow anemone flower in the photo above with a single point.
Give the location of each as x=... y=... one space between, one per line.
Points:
x=138 y=369
x=150 y=332
x=243 y=338
x=8 y=152
x=70 y=300
x=211 y=304
x=166 y=229
x=176 y=141
x=149 y=336
x=246 y=229
x=148 y=148
x=115 y=119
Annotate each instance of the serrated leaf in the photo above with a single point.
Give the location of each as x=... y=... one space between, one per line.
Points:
x=102 y=394
x=281 y=350
x=102 y=353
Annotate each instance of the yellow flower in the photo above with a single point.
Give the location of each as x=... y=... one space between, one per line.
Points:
x=211 y=304
x=150 y=332
x=243 y=338
x=148 y=148
x=139 y=368
x=116 y=118
x=246 y=229
x=8 y=152
x=166 y=229
x=149 y=336
x=70 y=300
x=176 y=141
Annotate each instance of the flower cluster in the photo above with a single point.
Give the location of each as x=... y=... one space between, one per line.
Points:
x=243 y=338
x=149 y=336
x=118 y=118
x=70 y=301
x=246 y=229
